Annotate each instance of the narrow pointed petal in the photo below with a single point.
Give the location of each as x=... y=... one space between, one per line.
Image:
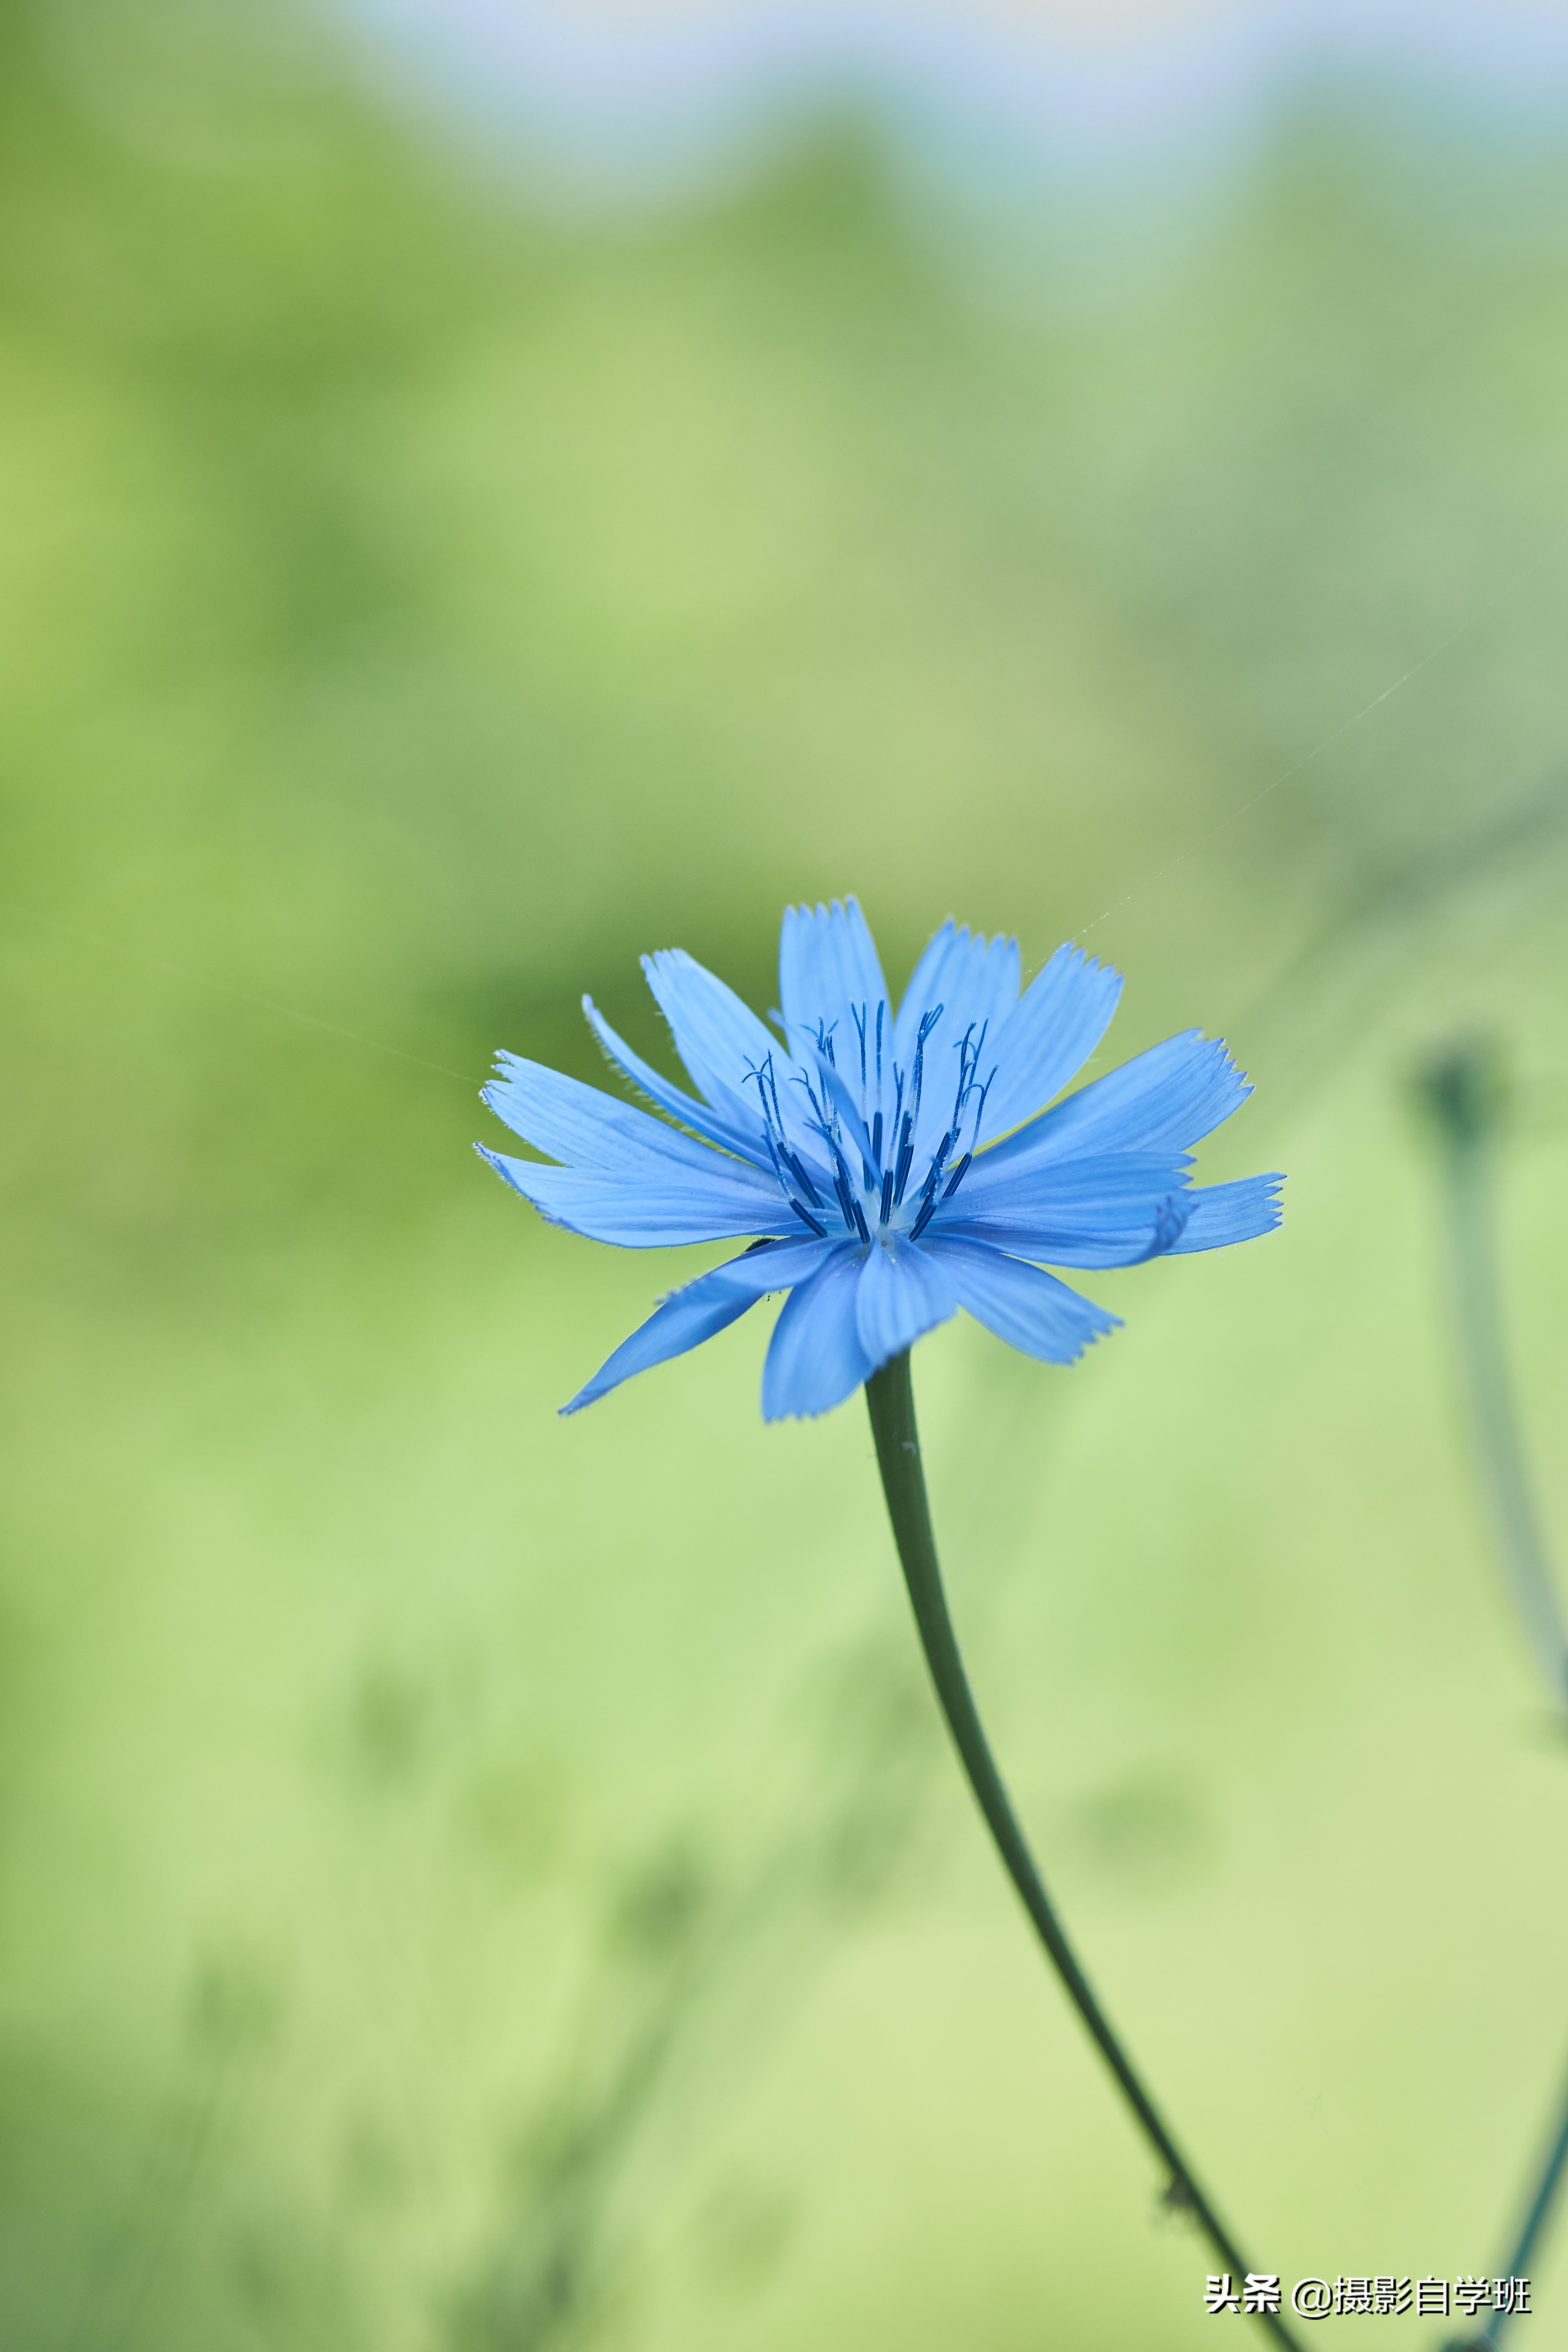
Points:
x=816 y=1358
x=717 y=1037
x=903 y=1293
x=649 y=1217
x=689 y=1316
x=1222 y=1213
x=1109 y=1186
x=589 y=1129
x=730 y=1135
x=828 y=972
x=973 y=978
x=1165 y=1099
x=1058 y=1021
x=1022 y=1304
x=1121 y=1233
x=974 y=981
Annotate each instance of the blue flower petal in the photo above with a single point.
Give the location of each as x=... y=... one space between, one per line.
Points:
x=835 y=1095
x=649 y=1217
x=702 y=1308
x=829 y=974
x=903 y=1292
x=1115 y=1221
x=1167 y=1099
x=744 y=1141
x=1022 y=1304
x=1059 y=1019
x=975 y=982
x=717 y=1037
x=1099 y=1178
x=816 y=1358
x=589 y=1129
x=1109 y=1186
x=1222 y=1213
x=975 y=979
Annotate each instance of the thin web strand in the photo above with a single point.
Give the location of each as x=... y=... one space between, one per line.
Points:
x=1288 y=775
x=240 y=996
x=418 y=1061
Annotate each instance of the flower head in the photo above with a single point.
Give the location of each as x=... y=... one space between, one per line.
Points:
x=891 y=1166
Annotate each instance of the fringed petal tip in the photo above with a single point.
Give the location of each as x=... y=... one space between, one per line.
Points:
x=504 y=1166
x=1223 y=1214
x=684 y=1318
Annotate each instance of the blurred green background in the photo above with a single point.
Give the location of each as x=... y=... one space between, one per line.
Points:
x=476 y=1883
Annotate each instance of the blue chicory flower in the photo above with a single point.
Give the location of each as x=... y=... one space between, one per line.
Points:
x=892 y=1167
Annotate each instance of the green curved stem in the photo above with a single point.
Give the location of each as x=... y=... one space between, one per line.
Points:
x=890 y=1394
x=1532 y=2226
x=1461 y=1091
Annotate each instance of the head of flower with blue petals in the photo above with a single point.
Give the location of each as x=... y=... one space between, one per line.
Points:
x=887 y=1166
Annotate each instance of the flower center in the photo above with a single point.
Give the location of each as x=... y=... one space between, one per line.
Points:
x=860 y=1123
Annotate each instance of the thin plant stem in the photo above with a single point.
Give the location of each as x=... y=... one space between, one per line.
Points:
x=1460 y=1088
x=890 y=1394
x=1531 y=2231
x=1462 y=1092
x=1532 y=2226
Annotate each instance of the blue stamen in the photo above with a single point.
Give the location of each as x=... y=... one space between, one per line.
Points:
x=770 y=1115
x=962 y=1050
x=928 y=1023
x=859 y=1014
x=783 y=1156
x=807 y=1219
x=819 y=1116
x=968 y=1063
x=980 y=1107
x=957 y=1177
x=938 y=1161
x=886 y=1209
x=877 y=1139
x=906 y=1152
x=882 y=1008
x=850 y=1207
x=797 y=1166
x=928 y=1211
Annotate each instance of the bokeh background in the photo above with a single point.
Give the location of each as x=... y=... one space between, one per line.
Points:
x=489 y=493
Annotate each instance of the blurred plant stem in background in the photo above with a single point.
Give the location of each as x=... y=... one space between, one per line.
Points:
x=1526 y=2249
x=1463 y=1088
x=694 y=1958
x=889 y=1396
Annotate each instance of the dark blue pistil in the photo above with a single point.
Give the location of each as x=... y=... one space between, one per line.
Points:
x=787 y=1163
x=906 y=1159
x=796 y=1167
x=853 y=1218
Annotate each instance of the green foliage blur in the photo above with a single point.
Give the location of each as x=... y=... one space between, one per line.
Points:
x=473 y=1882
